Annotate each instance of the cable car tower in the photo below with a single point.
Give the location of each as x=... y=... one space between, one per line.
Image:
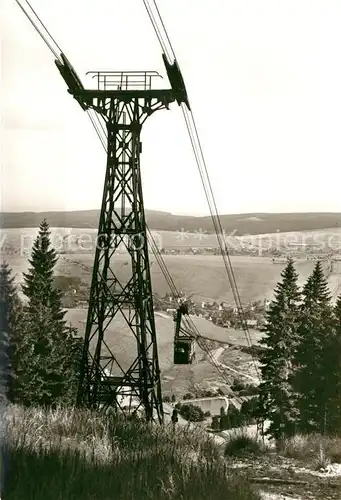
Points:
x=124 y=100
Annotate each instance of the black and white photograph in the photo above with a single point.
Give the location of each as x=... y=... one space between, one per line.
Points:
x=170 y=250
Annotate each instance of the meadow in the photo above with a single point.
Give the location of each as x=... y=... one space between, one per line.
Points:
x=78 y=455
x=74 y=454
x=202 y=276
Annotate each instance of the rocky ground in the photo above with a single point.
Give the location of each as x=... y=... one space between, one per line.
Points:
x=282 y=478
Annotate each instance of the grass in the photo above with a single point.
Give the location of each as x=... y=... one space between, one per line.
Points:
x=240 y=444
x=71 y=455
x=315 y=448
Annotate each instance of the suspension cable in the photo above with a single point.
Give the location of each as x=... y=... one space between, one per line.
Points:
x=189 y=119
x=47 y=42
x=164 y=28
x=191 y=328
x=196 y=145
x=97 y=129
x=57 y=56
x=43 y=25
x=168 y=51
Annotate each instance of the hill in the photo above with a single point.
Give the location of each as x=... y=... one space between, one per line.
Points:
x=202 y=277
x=176 y=379
x=257 y=223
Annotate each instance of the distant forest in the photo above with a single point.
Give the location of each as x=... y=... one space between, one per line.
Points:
x=256 y=223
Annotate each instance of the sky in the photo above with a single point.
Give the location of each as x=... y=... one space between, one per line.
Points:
x=264 y=82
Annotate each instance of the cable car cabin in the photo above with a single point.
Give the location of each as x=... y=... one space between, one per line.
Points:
x=183 y=344
x=183 y=351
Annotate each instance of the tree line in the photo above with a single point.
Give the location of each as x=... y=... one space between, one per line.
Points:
x=39 y=353
x=300 y=361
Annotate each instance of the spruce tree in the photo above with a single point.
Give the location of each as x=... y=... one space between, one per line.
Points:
x=275 y=401
x=7 y=297
x=21 y=359
x=333 y=362
x=45 y=379
x=313 y=377
x=38 y=284
x=50 y=379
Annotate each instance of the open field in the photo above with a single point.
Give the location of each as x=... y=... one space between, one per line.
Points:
x=75 y=240
x=204 y=277
x=201 y=275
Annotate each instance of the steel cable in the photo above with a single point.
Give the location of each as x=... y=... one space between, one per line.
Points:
x=55 y=53
x=191 y=327
x=196 y=145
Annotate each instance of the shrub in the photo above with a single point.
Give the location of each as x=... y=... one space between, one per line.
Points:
x=249 y=390
x=238 y=385
x=254 y=350
x=233 y=418
x=191 y=413
x=188 y=396
x=242 y=444
x=215 y=422
x=322 y=460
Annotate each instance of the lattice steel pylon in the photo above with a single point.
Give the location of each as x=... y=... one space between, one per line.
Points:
x=121 y=304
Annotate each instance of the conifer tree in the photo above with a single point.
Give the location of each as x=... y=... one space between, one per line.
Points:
x=275 y=401
x=38 y=282
x=313 y=377
x=334 y=408
x=7 y=297
x=50 y=378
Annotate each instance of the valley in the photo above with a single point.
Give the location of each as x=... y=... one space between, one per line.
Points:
x=201 y=277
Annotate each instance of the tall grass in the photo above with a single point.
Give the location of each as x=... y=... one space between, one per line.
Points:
x=241 y=444
x=313 y=447
x=72 y=454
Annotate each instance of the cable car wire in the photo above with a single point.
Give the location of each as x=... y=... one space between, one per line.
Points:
x=196 y=145
x=191 y=328
x=43 y=25
x=168 y=51
x=54 y=52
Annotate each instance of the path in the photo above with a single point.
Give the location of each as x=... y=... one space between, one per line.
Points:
x=216 y=355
